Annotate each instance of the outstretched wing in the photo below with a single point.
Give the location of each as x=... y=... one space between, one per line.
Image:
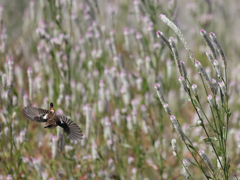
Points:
x=71 y=129
x=35 y=114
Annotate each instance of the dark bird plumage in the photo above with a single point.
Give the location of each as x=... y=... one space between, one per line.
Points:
x=53 y=120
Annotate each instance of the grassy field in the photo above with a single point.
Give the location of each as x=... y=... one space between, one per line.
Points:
x=156 y=96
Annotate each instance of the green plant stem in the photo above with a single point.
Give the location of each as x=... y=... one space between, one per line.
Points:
x=184 y=167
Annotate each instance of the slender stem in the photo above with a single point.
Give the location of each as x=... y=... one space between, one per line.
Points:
x=212 y=146
x=214 y=120
x=184 y=167
x=227 y=113
x=205 y=128
x=198 y=155
x=203 y=84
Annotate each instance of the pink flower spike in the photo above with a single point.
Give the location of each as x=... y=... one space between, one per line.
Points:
x=211 y=33
x=202 y=31
x=157 y=85
x=171 y=39
x=138 y=35
x=54 y=138
x=161 y=16
x=172 y=117
x=201 y=152
x=159 y=33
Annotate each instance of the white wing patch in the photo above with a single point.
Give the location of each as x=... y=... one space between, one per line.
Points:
x=45 y=117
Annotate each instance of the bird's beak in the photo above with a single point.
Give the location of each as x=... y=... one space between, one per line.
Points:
x=45 y=127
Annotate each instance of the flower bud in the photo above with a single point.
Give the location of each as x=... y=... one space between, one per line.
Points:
x=164 y=39
x=199 y=123
x=167 y=109
x=185 y=169
x=223 y=88
x=9 y=177
x=210 y=100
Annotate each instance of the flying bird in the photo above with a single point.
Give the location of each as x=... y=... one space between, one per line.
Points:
x=52 y=120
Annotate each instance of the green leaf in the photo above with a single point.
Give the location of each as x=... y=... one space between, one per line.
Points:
x=190 y=146
x=194 y=126
x=193 y=164
x=209 y=177
x=186 y=98
x=210 y=140
x=127 y=146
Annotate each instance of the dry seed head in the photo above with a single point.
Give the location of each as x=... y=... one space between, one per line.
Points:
x=210 y=57
x=180 y=35
x=203 y=73
x=208 y=42
x=219 y=48
x=185 y=169
x=30 y=81
x=4 y=80
x=206 y=160
x=194 y=88
x=218 y=69
x=160 y=94
x=177 y=127
x=54 y=146
x=175 y=54
x=214 y=86
x=184 y=70
x=183 y=84
x=174 y=146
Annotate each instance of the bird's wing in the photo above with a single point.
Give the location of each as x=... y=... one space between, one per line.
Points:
x=35 y=114
x=71 y=129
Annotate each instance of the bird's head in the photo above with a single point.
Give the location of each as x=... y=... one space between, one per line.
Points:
x=51 y=107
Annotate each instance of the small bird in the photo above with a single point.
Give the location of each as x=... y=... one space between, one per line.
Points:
x=74 y=133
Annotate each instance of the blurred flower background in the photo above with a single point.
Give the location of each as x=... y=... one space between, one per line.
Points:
x=98 y=61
